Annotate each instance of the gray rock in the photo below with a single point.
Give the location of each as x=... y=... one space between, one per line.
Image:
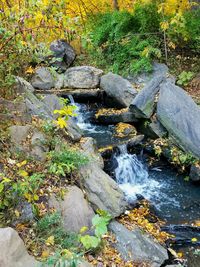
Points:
x=18 y=133
x=119 y=89
x=73 y=130
x=179 y=114
x=21 y=85
x=65 y=54
x=83 y=95
x=138 y=246
x=33 y=104
x=13 y=252
x=26 y=212
x=59 y=81
x=14 y=111
x=159 y=130
x=42 y=79
x=44 y=109
x=114 y=118
x=102 y=191
x=84 y=77
x=39 y=146
x=74 y=209
x=195 y=173
x=88 y=144
x=143 y=104
x=144 y=78
x=52 y=102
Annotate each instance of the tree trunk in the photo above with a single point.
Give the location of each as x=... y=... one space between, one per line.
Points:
x=115 y=4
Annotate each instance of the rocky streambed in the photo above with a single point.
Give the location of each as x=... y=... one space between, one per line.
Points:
x=116 y=121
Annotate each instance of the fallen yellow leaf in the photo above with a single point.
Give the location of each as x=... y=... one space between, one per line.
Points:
x=50 y=241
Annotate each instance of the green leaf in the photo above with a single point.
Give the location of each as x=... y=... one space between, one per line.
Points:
x=90 y=241
x=1 y=187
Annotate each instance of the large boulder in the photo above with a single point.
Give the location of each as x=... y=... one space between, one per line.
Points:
x=13 y=252
x=43 y=79
x=83 y=77
x=19 y=133
x=159 y=69
x=179 y=114
x=138 y=246
x=14 y=111
x=33 y=105
x=143 y=104
x=52 y=103
x=63 y=53
x=88 y=145
x=44 y=109
x=114 y=116
x=118 y=89
x=74 y=209
x=102 y=191
x=29 y=140
x=195 y=173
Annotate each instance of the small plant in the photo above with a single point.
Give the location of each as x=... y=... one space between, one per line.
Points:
x=66 y=161
x=185 y=77
x=24 y=186
x=63 y=114
x=181 y=158
x=50 y=232
x=99 y=225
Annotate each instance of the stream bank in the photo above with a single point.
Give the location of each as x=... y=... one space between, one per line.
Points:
x=130 y=177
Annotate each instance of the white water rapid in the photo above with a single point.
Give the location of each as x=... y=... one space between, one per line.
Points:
x=133 y=178
x=82 y=116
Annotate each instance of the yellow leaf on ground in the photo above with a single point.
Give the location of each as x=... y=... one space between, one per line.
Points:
x=50 y=241
x=20 y=164
x=22 y=173
x=45 y=254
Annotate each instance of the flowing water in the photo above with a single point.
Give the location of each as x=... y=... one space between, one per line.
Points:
x=174 y=199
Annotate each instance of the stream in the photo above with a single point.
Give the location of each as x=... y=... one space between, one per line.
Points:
x=174 y=200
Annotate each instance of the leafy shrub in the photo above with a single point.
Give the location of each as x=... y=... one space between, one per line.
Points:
x=14 y=57
x=52 y=225
x=99 y=225
x=65 y=161
x=124 y=40
x=192 y=25
x=185 y=77
x=23 y=186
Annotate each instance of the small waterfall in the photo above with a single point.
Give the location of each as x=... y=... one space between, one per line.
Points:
x=82 y=116
x=130 y=174
x=134 y=179
x=130 y=169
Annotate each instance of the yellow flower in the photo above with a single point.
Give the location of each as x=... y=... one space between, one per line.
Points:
x=194 y=239
x=61 y=123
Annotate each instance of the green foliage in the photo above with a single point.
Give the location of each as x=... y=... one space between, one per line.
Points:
x=52 y=225
x=61 y=260
x=185 y=77
x=181 y=158
x=65 y=161
x=99 y=225
x=192 y=25
x=23 y=186
x=123 y=41
x=14 y=57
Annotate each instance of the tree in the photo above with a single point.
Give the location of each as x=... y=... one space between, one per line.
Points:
x=115 y=4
